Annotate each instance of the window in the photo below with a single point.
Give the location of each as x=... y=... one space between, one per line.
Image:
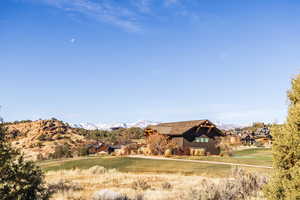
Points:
x=200 y=139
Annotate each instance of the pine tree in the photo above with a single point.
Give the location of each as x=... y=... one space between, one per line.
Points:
x=285 y=183
x=19 y=179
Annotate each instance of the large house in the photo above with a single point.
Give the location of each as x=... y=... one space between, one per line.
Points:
x=190 y=134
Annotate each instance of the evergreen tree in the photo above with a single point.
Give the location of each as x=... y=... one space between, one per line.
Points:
x=19 y=179
x=285 y=183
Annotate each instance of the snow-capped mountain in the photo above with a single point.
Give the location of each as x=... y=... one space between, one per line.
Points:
x=228 y=126
x=110 y=126
x=140 y=124
x=88 y=126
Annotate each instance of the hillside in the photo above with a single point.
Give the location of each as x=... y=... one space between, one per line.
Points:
x=40 y=138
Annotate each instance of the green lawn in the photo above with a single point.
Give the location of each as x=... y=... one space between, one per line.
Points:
x=139 y=165
x=256 y=156
x=262 y=155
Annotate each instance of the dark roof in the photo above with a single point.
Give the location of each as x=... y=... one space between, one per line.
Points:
x=178 y=128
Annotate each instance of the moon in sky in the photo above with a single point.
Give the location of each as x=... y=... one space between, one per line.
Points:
x=73 y=40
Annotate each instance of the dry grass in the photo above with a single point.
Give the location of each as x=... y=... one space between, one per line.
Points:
x=97 y=178
x=82 y=184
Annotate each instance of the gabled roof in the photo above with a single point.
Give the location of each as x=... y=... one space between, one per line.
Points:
x=178 y=128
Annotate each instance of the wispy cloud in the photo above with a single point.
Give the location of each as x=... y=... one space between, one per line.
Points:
x=104 y=11
x=128 y=15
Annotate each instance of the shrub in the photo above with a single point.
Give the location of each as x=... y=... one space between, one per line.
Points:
x=19 y=179
x=40 y=157
x=15 y=133
x=158 y=144
x=168 y=153
x=144 y=150
x=285 y=183
x=208 y=191
x=140 y=184
x=64 y=186
x=200 y=152
x=15 y=122
x=110 y=137
x=197 y=152
x=246 y=183
x=166 y=186
x=97 y=170
x=225 y=146
x=132 y=148
x=242 y=186
x=135 y=133
x=59 y=137
x=109 y=195
x=62 y=151
x=120 y=136
x=183 y=151
x=39 y=144
x=44 y=137
x=83 y=151
x=123 y=151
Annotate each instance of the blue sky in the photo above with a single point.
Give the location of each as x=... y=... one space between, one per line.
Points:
x=230 y=61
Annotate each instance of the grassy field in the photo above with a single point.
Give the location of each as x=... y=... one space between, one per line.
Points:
x=81 y=184
x=256 y=156
x=139 y=165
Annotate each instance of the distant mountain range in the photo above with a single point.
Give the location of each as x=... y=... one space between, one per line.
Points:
x=140 y=124
x=228 y=126
x=110 y=126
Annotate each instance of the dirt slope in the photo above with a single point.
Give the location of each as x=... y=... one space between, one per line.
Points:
x=42 y=136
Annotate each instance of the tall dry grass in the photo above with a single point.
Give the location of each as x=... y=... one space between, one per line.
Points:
x=242 y=185
x=83 y=184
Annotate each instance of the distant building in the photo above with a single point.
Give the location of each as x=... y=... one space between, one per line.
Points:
x=190 y=134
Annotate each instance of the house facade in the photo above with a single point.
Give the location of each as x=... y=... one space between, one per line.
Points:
x=190 y=134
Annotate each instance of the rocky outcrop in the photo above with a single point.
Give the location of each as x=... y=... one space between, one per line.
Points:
x=38 y=139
